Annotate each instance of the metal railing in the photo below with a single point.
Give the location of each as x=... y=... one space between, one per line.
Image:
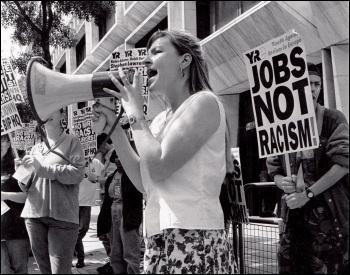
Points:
x=256 y=243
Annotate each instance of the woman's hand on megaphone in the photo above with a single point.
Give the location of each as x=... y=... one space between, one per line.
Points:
x=130 y=94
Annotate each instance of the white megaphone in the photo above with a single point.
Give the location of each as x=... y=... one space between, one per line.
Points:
x=49 y=91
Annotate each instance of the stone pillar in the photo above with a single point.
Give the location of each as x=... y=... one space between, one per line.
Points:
x=340 y=60
x=91 y=36
x=119 y=13
x=182 y=15
x=328 y=80
x=71 y=60
x=190 y=17
x=71 y=66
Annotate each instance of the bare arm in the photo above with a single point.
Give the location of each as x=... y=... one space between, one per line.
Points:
x=18 y=197
x=183 y=140
x=331 y=177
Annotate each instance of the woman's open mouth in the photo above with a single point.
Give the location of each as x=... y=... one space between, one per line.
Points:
x=151 y=73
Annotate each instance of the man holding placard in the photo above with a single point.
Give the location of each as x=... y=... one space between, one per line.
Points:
x=307 y=150
x=315 y=238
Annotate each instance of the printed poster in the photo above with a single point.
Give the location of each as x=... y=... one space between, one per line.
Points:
x=238 y=206
x=281 y=95
x=11 y=81
x=82 y=129
x=10 y=119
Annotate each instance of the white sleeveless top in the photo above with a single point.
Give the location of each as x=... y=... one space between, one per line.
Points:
x=189 y=198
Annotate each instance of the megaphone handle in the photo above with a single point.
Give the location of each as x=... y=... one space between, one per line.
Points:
x=110 y=131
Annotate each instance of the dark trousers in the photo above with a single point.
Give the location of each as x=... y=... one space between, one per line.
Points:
x=125 y=244
x=84 y=224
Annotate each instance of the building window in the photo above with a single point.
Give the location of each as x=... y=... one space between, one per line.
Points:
x=246 y=5
x=213 y=15
x=163 y=25
x=81 y=51
x=203 y=24
x=63 y=68
x=102 y=28
x=82 y=105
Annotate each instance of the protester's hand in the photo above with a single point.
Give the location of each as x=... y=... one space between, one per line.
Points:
x=92 y=177
x=98 y=110
x=31 y=161
x=18 y=162
x=130 y=95
x=288 y=184
x=4 y=178
x=4 y=196
x=296 y=200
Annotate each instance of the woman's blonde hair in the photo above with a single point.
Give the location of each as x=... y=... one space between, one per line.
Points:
x=184 y=42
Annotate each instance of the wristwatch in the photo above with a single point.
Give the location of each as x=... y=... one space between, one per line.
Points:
x=96 y=180
x=133 y=119
x=309 y=193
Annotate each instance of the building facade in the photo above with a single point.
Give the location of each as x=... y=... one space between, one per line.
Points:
x=227 y=29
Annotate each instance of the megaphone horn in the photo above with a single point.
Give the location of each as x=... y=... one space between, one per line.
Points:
x=49 y=91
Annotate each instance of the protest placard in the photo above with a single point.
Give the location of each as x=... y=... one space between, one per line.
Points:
x=11 y=81
x=82 y=129
x=239 y=212
x=131 y=60
x=24 y=138
x=281 y=95
x=10 y=119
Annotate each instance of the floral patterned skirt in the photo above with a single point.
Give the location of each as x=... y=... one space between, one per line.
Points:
x=182 y=251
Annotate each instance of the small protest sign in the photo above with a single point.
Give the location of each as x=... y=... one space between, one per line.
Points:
x=11 y=81
x=24 y=138
x=10 y=119
x=238 y=206
x=82 y=129
x=131 y=60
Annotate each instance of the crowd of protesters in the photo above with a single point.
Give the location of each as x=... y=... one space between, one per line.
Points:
x=178 y=164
